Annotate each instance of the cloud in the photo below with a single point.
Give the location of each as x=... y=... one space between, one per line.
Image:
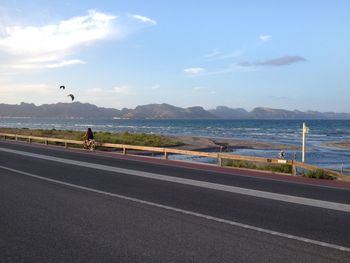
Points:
x=95 y=90
x=63 y=36
x=144 y=19
x=47 y=46
x=59 y=64
x=199 y=88
x=15 y=88
x=216 y=54
x=234 y=54
x=282 y=61
x=65 y=63
x=231 y=68
x=265 y=38
x=12 y=92
x=280 y=98
x=194 y=71
x=124 y=90
x=155 y=87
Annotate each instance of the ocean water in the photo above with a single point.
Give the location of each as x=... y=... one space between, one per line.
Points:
x=276 y=131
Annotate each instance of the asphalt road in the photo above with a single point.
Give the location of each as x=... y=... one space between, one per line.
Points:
x=62 y=205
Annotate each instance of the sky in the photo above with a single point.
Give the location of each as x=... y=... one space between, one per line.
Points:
x=240 y=54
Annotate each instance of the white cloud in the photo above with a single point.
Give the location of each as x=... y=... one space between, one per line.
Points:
x=265 y=38
x=124 y=90
x=231 y=68
x=38 y=93
x=58 y=64
x=199 y=88
x=155 y=87
x=194 y=71
x=214 y=53
x=66 y=63
x=30 y=46
x=115 y=97
x=144 y=19
x=56 y=37
x=203 y=90
x=15 y=88
x=95 y=90
x=233 y=54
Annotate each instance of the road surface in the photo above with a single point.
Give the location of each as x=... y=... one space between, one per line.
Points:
x=61 y=205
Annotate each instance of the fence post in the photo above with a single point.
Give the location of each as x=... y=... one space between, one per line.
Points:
x=219 y=160
x=46 y=142
x=16 y=138
x=124 y=150
x=165 y=155
x=341 y=169
x=294 y=169
x=29 y=140
x=65 y=144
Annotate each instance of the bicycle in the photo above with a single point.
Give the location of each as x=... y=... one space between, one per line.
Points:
x=89 y=145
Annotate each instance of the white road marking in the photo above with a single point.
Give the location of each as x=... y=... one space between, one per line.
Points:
x=182 y=211
x=207 y=185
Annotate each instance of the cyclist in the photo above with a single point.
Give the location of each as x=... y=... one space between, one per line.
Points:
x=89 y=138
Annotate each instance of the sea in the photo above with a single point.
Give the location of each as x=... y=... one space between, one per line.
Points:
x=288 y=132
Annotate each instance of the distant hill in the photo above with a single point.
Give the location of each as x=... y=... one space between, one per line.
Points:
x=166 y=111
x=223 y=112
x=59 y=110
x=157 y=111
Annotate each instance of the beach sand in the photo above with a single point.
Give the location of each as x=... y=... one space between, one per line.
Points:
x=341 y=145
x=203 y=143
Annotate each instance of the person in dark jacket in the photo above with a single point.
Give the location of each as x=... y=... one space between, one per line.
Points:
x=89 y=135
x=89 y=138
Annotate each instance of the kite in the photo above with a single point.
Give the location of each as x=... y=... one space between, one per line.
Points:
x=62 y=87
x=71 y=95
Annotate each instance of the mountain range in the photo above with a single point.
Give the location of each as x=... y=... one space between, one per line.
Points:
x=156 y=111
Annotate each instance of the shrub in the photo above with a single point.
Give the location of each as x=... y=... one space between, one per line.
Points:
x=239 y=164
x=281 y=168
x=319 y=174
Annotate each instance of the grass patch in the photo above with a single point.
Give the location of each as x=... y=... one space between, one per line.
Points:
x=101 y=137
x=319 y=174
x=239 y=164
x=140 y=139
x=281 y=168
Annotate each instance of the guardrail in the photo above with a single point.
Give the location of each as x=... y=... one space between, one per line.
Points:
x=166 y=151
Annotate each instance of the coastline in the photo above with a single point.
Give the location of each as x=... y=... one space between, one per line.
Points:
x=204 y=143
x=341 y=145
x=183 y=142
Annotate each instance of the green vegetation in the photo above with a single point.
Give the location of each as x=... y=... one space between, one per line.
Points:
x=281 y=168
x=239 y=164
x=319 y=174
x=141 y=139
x=101 y=137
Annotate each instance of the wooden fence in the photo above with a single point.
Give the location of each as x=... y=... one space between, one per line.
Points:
x=166 y=151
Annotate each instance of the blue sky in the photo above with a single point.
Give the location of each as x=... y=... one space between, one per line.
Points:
x=277 y=54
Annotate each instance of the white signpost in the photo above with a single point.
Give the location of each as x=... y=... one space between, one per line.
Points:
x=305 y=131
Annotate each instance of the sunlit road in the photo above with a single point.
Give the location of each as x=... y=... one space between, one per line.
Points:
x=61 y=205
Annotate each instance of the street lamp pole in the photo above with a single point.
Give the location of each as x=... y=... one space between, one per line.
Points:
x=305 y=131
